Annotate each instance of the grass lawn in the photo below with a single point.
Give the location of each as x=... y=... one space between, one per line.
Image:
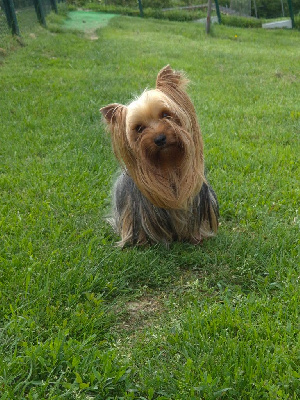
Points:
x=82 y=319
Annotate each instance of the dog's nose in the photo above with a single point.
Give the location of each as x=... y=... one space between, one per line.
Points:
x=160 y=140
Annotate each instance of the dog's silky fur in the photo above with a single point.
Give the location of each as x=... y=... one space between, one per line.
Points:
x=162 y=194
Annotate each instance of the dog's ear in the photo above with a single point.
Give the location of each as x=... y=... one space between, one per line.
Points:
x=167 y=77
x=113 y=113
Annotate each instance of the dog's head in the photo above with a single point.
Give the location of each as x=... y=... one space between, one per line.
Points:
x=158 y=140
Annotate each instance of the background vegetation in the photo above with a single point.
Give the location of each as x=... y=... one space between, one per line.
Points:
x=265 y=8
x=155 y=9
x=81 y=319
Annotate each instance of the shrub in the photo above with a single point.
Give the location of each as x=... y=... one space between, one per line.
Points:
x=241 y=22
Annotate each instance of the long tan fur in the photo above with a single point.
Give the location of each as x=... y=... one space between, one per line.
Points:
x=168 y=181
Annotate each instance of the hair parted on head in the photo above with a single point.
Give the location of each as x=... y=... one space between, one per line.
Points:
x=172 y=184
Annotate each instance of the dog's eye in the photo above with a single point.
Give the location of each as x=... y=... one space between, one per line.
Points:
x=140 y=128
x=165 y=114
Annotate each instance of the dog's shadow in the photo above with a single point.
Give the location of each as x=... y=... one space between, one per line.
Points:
x=226 y=260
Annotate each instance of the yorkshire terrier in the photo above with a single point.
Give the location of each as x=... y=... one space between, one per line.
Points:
x=162 y=194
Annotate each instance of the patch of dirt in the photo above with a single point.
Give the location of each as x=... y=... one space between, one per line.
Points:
x=94 y=37
x=91 y=34
x=138 y=314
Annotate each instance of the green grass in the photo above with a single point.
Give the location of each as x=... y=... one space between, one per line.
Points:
x=83 y=20
x=81 y=319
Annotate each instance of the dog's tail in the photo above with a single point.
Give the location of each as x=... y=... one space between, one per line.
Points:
x=209 y=210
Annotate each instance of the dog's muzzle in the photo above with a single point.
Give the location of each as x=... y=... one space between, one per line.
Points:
x=160 y=140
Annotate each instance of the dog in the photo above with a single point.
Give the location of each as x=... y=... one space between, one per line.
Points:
x=162 y=194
